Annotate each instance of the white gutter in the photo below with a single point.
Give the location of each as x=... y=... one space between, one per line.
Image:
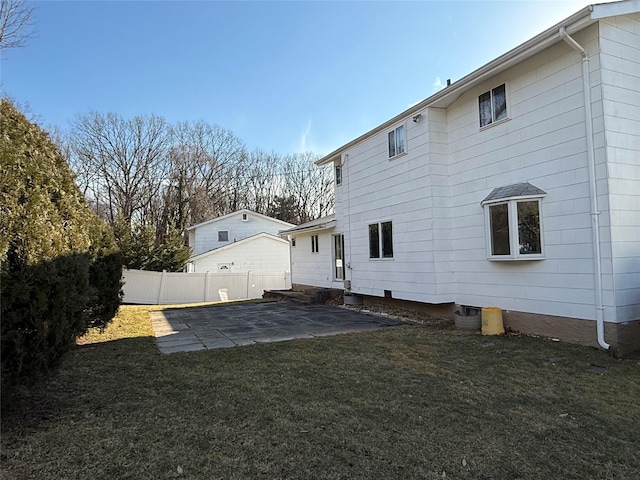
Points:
x=595 y=213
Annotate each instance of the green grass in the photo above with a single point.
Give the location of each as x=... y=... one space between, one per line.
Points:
x=418 y=401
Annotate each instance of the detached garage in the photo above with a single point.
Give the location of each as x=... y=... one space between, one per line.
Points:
x=261 y=253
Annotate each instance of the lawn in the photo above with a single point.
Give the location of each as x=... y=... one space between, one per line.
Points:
x=420 y=401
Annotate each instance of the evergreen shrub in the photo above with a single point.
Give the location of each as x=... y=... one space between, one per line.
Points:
x=60 y=267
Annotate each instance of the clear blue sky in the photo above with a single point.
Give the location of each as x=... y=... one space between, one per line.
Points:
x=283 y=76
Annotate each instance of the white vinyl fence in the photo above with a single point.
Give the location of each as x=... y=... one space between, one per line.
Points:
x=161 y=288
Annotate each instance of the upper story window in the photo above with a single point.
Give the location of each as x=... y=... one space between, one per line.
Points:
x=223 y=236
x=293 y=242
x=244 y=217
x=512 y=218
x=396 y=141
x=314 y=244
x=381 y=240
x=493 y=105
x=338 y=171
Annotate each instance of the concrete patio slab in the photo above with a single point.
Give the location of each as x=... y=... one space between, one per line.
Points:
x=199 y=328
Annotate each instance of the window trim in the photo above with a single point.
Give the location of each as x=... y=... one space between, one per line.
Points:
x=506 y=102
x=394 y=130
x=512 y=215
x=381 y=255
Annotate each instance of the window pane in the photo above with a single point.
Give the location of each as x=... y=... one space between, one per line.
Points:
x=338 y=242
x=499 y=103
x=374 y=241
x=485 y=109
x=400 y=139
x=338 y=174
x=223 y=236
x=387 y=240
x=499 y=219
x=392 y=144
x=529 y=228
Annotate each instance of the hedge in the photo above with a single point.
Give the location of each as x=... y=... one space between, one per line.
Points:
x=60 y=267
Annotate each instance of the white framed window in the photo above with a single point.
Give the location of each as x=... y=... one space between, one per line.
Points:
x=514 y=223
x=381 y=240
x=244 y=217
x=338 y=172
x=397 y=141
x=223 y=236
x=492 y=105
x=314 y=244
x=293 y=242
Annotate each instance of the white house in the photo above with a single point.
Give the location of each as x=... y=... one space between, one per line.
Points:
x=517 y=186
x=317 y=253
x=239 y=242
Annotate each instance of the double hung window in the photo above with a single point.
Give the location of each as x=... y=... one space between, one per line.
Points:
x=493 y=105
x=396 y=141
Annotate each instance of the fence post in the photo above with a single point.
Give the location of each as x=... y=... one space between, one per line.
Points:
x=159 y=302
x=206 y=286
x=248 y=275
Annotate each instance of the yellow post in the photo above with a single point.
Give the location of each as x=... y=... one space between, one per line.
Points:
x=492 y=321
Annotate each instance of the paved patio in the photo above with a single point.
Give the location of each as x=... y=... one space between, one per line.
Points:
x=190 y=329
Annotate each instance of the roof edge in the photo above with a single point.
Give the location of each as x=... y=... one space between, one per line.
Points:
x=573 y=23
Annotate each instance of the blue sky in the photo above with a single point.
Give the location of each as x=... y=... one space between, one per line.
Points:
x=283 y=76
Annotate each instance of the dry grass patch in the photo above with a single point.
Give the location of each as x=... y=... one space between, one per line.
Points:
x=418 y=401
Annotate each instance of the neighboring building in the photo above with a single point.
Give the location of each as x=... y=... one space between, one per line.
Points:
x=517 y=186
x=261 y=253
x=316 y=253
x=239 y=242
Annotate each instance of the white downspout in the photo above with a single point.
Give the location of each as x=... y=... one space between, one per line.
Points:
x=595 y=223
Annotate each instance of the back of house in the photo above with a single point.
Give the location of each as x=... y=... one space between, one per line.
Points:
x=517 y=186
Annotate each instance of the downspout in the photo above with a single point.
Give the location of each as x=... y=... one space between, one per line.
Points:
x=595 y=222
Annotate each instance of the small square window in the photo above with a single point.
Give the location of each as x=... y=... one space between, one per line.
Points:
x=223 y=236
x=396 y=141
x=493 y=105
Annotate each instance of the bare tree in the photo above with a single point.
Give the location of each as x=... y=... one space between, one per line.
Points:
x=123 y=163
x=310 y=187
x=204 y=160
x=15 y=23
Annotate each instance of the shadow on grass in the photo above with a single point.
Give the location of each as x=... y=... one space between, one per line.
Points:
x=409 y=402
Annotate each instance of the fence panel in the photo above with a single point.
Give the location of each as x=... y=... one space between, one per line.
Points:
x=157 y=288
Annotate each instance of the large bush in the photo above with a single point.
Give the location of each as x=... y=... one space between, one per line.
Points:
x=60 y=267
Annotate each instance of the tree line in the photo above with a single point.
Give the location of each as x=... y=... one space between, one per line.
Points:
x=152 y=173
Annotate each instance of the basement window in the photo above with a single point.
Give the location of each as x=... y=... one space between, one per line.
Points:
x=513 y=223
